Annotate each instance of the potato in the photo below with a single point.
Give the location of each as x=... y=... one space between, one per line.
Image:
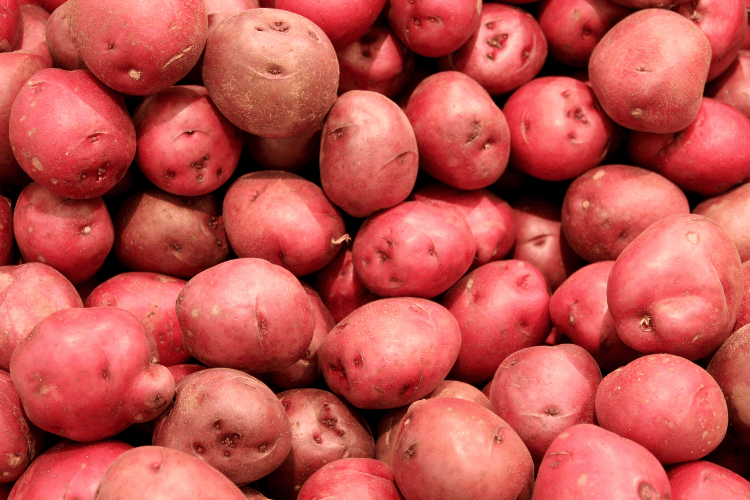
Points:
x=731 y=87
x=11 y=27
x=702 y=479
x=23 y=441
x=339 y=287
x=33 y=39
x=59 y=41
x=361 y=478
x=731 y=211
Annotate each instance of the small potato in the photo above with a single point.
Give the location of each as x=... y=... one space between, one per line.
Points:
x=360 y=478
x=60 y=43
x=339 y=287
x=700 y=479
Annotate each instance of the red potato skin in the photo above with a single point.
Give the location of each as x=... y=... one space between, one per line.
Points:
x=127 y=47
x=507 y=50
x=99 y=140
x=606 y=207
x=743 y=318
x=59 y=42
x=23 y=440
x=362 y=478
x=11 y=27
x=368 y=359
x=686 y=416
x=454 y=448
x=68 y=469
x=732 y=86
x=649 y=71
x=7 y=240
x=699 y=161
x=731 y=211
x=702 y=479
x=462 y=134
x=34 y=37
x=586 y=458
x=339 y=287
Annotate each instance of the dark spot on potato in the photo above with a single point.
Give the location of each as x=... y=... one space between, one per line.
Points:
x=474 y=130
x=169 y=174
x=525 y=54
x=280 y=26
x=338 y=133
x=258 y=28
x=647 y=492
x=329 y=422
x=497 y=41
x=586 y=32
x=275 y=69
x=217 y=425
x=512 y=362
x=176 y=247
x=645 y=323
x=199 y=449
x=263 y=448
x=571 y=137
x=490 y=56
x=523 y=281
x=489 y=25
x=317 y=438
x=155 y=466
x=498 y=436
x=384 y=257
x=105 y=374
x=110 y=45
x=552 y=411
x=313 y=35
x=416 y=22
x=409 y=452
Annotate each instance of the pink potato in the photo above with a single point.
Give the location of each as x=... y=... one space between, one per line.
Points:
x=586 y=458
x=557 y=129
x=605 y=208
x=648 y=72
x=84 y=152
x=501 y=307
x=677 y=287
x=507 y=50
x=7 y=240
x=159 y=232
x=368 y=153
x=685 y=417
x=34 y=31
x=283 y=70
x=228 y=419
x=11 y=26
x=73 y=236
x=733 y=85
x=360 y=478
x=151 y=297
x=156 y=472
x=68 y=470
x=731 y=211
x=121 y=378
x=700 y=479
x=542 y=390
x=28 y=293
x=325 y=428
x=454 y=448
x=246 y=313
x=390 y=352
x=138 y=48
x=185 y=146
x=434 y=28
x=59 y=41
x=417 y=248
x=22 y=440
x=461 y=132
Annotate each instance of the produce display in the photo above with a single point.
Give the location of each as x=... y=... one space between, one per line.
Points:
x=374 y=249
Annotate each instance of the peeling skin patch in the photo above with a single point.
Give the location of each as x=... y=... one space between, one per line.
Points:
x=176 y=57
x=599 y=175
x=37 y=164
x=135 y=74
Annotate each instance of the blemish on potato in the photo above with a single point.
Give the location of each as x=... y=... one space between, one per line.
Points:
x=693 y=237
x=135 y=74
x=599 y=175
x=645 y=323
x=37 y=164
x=195 y=313
x=86 y=230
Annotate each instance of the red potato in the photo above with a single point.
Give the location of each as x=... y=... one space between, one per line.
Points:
x=708 y=163
x=454 y=448
x=501 y=307
x=50 y=5
x=606 y=207
x=168 y=234
x=68 y=470
x=361 y=478
x=462 y=134
x=648 y=72
x=285 y=81
x=685 y=418
x=324 y=429
x=228 y=419
x=29 y=293
x=179 y=372
x=586 y=458
x=246 y=313
x=434 y=28
x=339 y=287
x=137 y=48
x=731 y=211
x=156 y=472
x=701 y=479
x=121 y=379
x=34 y=31
x=72 y=236
x=507 y=50
x=97 y=145
x=743 y=318
x=218 y=10
x=390 y=352
x=417 y=248
x=151 y=297
x=557 y=129
x=22 y=441
x=7 y=240
x=59 y=41
x=368 y=153
x=11 y=27
x=732 y=86
x=283 y=218
x=185 y=146
x=379 y=61
x=677 y=288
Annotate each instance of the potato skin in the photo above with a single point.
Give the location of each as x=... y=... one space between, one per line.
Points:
x=22 y=441
x=361 y=478
x=699 y=479
x=731 y=211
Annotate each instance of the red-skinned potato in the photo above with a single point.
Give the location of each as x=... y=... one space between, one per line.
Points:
x=462 y=134
x=708 y=157
x=68 y=469
x=283 y=68
x=151 y=297
x=743 y=318
x=325 y=428
x=29 y=293
x=586 y=458
x=368 y=153
x=733 y=85
x=417 y=248
x=121 y=378
x=184 y=145
x=218 y=10
x=230 y=420
x=339 y=287
x=22 y=441
x=731 y=211
x=156 y=472
x=507 y=50
x=369 y=359
x=666 y=58
x=59 y=42
x=136 y=48
x=34 y=31
x=699 y=479
x=246 y=313
x=85 y=152
x=454 y=448
x=7 y=240
x=361 y=478
x=501 y=307
x=685 y=418
x=11 y=27
x=606 y=207
x=557 y=129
